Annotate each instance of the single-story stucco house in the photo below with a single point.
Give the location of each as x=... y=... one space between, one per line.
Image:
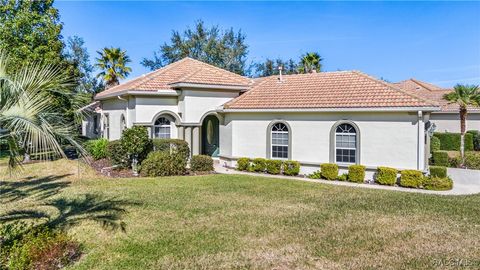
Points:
x=448 y=118
x=344 y=117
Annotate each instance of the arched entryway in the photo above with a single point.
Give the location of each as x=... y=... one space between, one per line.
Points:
x=211 y=136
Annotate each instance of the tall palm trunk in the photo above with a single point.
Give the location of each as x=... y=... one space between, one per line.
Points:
x=463 y=117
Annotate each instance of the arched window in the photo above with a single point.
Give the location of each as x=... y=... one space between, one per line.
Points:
x=346 y=144
x=161 y=128
x=279 y=141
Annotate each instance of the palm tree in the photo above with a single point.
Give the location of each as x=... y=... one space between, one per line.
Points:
x=463 y=95
x=112 y=63
x=310 y=62
x=30 y=122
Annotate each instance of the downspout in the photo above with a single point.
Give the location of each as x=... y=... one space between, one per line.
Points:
x=127 y=112
x=419 y=133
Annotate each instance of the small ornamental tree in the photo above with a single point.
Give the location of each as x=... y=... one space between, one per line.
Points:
x=135 y=141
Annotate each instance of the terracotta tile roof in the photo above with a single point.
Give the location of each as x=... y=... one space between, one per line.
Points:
x=431 y=92
x=342 y=89
x=186 y=70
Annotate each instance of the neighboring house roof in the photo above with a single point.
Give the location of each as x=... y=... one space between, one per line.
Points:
x=187 y=71
x=94 y=106
x=341 y=89
x=432 y=92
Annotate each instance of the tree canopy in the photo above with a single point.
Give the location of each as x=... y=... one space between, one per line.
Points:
x=222 y=48
x=112 y=63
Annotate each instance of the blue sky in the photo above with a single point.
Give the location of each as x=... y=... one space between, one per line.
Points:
x=438 y=42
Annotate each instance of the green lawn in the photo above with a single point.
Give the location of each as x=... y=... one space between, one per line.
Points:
x=243 y=222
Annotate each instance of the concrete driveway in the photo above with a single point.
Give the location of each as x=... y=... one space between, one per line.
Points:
x=464 y=181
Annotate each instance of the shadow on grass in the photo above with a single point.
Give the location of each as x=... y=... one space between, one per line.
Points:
x=60 y=212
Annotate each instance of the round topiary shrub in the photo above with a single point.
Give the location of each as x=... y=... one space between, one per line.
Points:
x=201 y=163
x=162 y=164
x=386 y=176
x=356 y=173
x=329 y=171
x=274 y=166
x=243 y=164
x=411 y=178
x=258 y=165
x=291 y=167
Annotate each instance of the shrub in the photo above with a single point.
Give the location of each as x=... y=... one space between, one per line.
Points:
x=172 y=145
x=136 y=143
x=435 y=144
x=438 y=171
x=386 y=176
x=343 y=177
x=451 y=141
x=162 y=164
x=356 y=173
x=315 y=175
x=472 y=160
x=411 y=178
x=201 y=163
x=243 y=164
x=438 y=183
x=476 y=139
x=43 y=248
x=117 y=154
x=97 y=148
x=291 y=167
x=454 y=162
x=329 y=171
x=274 y=166
x=440 y=158
x=259 y=165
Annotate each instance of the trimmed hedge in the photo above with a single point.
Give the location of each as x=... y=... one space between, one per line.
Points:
x=172 y=145
x=356 y=173
x=329 y=171
x=440 y=158
x=274 y=166
x=291 y=167
x=201 y=163
x=435 y=144
x=476 y=139
x=438 y=183
x=386 y=176
x=451 y=141
x=117 y=154
x=472 y=160
x=438 y=171
x=162 y=164
x=411 y=178
x=97 y=148
x=258 y=165
x=243 y=164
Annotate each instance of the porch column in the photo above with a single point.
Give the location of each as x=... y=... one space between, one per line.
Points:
x=180 y=133
x=188 y=138
x=196 y=141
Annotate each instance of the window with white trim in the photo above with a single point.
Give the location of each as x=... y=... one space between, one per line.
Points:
x=161 y=128
x=106 y=126
x=279 y=141
x=345 y=144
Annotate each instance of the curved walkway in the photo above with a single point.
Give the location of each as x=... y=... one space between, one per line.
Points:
x=464 y=181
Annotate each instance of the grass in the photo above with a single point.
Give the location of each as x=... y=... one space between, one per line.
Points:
x=243 y=222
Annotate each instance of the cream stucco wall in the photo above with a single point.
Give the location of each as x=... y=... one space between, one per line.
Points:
x=115 y=108
x=450 y=122
x=195 y=103
x=386 y=139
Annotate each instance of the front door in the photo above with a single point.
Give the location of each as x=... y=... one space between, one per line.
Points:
x=210 y=136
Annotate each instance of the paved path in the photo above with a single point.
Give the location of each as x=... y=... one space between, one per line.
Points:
x=464 y=181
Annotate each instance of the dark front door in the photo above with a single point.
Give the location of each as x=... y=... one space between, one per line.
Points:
x=210 y=136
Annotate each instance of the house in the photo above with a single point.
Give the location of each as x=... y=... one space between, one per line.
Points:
x=448 y=118
x=345 y=117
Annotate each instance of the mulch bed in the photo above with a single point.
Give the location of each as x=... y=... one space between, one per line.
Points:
x=104 y=167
